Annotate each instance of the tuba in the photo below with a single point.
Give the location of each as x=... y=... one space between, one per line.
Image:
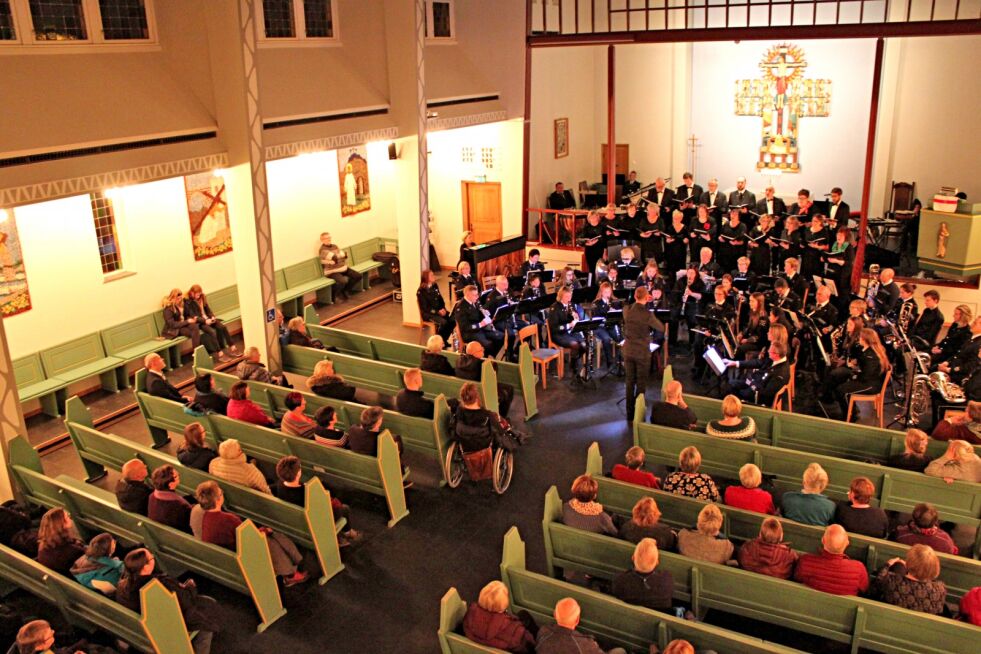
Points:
x=919 y=385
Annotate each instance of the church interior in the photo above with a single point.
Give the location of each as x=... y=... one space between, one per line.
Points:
x=258 y=188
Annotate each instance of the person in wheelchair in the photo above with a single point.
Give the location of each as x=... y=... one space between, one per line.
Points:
x=477 y=428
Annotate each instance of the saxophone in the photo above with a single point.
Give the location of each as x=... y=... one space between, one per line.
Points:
x=837 y=340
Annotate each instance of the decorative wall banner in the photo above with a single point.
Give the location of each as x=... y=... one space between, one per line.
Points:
x=207 y=210
x=781 y=97
x=561 y=137
x=352 y=167
x=14 y=295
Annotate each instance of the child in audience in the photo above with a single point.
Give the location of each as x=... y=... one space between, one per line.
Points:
x=289 y=488
x=58 y=543
x=809 y=505
x=703 y=543
x=750 y=496
x=858 y=516
x=633 y=472
x=98 y=569
x=166 y=506
x=295 y=422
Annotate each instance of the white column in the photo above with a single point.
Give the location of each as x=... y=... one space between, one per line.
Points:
x=680 y=109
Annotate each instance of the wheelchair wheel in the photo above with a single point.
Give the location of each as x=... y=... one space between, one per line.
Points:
x=503 y=470
x=454 y=465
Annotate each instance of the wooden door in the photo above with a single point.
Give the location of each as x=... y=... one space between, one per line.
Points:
x=482 y=210
x=622 y=162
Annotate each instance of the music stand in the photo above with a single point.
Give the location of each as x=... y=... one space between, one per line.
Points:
x=623 y=293
x=504 y=312
x=583 y=295
x=516 y=284
x=545 y=275
x=629 y=273
x=741 y=284
x=537 y=304
x=823 y=281
x=714 y=361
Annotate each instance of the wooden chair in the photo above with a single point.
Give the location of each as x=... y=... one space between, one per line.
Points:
x=878 y=400
x=540 y=356
x=552 y=345
x=459 y=339
x=792 y=384
x=778 y=399
x=901 y=199
x=426 y=330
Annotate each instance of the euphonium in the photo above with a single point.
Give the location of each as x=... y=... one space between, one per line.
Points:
x=837 y=340
x=951 y=392
x=905 y=316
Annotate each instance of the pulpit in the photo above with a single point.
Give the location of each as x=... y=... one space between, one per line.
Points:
x=950 y=242
x=503 y=257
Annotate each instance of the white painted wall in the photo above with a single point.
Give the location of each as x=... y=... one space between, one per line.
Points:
x=832 y=149
x=447 y=171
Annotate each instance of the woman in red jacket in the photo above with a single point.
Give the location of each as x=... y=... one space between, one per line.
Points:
x=240 y=407
x=488 y=622
x=768 y=554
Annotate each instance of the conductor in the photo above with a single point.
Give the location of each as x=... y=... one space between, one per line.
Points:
x=637 y=325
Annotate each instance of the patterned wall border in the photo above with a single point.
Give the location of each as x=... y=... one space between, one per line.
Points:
x=455 y=122
x=60 y=188
x=330 y=143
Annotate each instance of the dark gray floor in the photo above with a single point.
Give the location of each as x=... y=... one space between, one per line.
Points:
x=387 y=598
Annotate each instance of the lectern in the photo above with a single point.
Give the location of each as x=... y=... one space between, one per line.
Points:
x=951 y=242
x=503 y=257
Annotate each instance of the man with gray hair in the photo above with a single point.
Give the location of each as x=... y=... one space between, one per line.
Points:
x=715 y=200
x=662 y=196
x=334 y=261
x=770 y=204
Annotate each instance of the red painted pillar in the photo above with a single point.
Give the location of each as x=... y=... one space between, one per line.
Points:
x=611 y=140
x=867 y=177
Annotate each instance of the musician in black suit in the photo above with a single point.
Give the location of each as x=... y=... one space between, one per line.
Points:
x=561 y=198
x=887 y=296
x=766 y=378
x=532 y=291
x=926 y=327
x=561 y=319
x=741 y=197
x=462 y=278
x=632 y=185
x=593 y=240
x=496 y=298
x=432 y=307
x=743 y=275
x=962 y=364
x=475 y=323
x=662 y=196
x=688 y=195
x=770 y=204
x=689 y=291
x=804 y=208
x=972 y=383
x=715 y=200
x=785 y=298
x=797 y=283
x=824 y=314
x=838 y=210
x=156 y=384
x=533 y=263
x=470 y=367
x=872 y=365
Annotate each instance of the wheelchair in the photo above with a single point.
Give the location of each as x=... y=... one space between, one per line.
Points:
x=492 y=462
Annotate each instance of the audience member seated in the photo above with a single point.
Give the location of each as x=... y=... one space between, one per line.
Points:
x=914 y=457
x=645 y=522
x=240 y=407
x=808 y=505
x=200 y=611
x=830 y=570
x=193 y=452
x=858 y=516
x=334 y=262
x=732 y=426
x=177 y=323
x=295 y=422
x=410 y=400
x=214 y=333
x=432 y=358
x=964 y=427
x=645 y=585
x=476 y=428
x=166 y=506
x=209 y=397
x=704 y=543
x=37 y=636
x=633 y=472
x=132 y=490
x=912 y=584
x=958 y=463
x=98 y=569
x=749 y=495
x=289 y=488
x=156 y=384
x=688 y=481
x=673 y=412
x=924 y=529
x=296 y=329
x=970 y=607
x=326 y=432
x=562 y=637
x=250 y=368
x=327 y=383
x=767 y=554
x=432 y=306
x=58 y=545
x=231 y=465
x=468 y=366
x=488 y=622
x=584 y=512
x=218 y=528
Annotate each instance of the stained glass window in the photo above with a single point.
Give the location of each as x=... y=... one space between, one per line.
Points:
x=58 y=20
x=124 y=19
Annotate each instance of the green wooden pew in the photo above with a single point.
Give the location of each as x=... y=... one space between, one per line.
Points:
x=82 y=358
x=859 y=622
x=33 y=384
x=896 y=490
x=633 y=627
x=311 y=526
x=386 y=378
x=452 y=608
x=159 y=629
x=359 y=258
x=134 y=339
x=224 y=304
x=381 y=475
x=795 y=431
x=248 y=570
x=959 y=573
x=308 y=277
x=521 y=375
x=428 y=437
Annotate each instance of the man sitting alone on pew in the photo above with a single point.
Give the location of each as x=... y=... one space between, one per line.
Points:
x=562 y=637
x=250 y=368
x=156 y=384
x=410 y=400
x=468 y=367
x=672 y=411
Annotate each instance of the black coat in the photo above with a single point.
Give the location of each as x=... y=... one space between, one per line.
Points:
x=158 y=386
x=414 y=403
x=430 y=301
x=771 y=381
x=434 y=362
x=869 y=369
x=133 y=496
x=174 y=320
x=720 y=205
x=215 y=401
x=666 y=204
x=924 y=331
x=468 y=318
x=779 y=207
x=841 y=215
x=746 y=197
x=193 y=309
x=469 y=368
x=334 y=387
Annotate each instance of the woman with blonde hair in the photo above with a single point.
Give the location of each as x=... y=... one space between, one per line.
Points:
x=296 y=334
x=688 y=481
x=178 y=323
x=913 y=584
x=958 y=463
x=327 y=383
x=58 y=544
x=703 y=542
x=432 y=358
x=196 y=306
x=958 y=335
x=767 y=554
x=732 y=426
x=749 y=495
x=809 y=505
x=645 y=523
x=872 y=366
x=914 y=457
x=488 y=622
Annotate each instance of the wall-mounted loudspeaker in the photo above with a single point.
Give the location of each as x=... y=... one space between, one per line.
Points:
x=393 y=152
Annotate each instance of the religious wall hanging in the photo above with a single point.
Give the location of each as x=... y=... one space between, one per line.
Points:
x=352 y=166
x=14 y=295
x=207 y=210
x=561 y=137
x=781 y=97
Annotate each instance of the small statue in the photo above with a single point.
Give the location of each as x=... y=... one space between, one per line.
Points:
x=942 y=235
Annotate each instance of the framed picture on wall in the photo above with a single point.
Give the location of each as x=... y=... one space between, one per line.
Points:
x=561 y=137
x=207 y=210
x=352 y=167
x=14 y=295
